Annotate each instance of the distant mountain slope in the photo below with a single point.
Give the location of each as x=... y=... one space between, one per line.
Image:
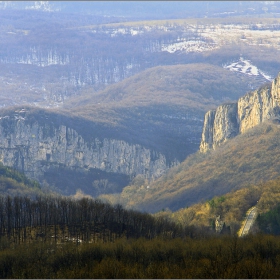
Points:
x=193 y=85
x=162 y=107
x=99 y=142
x=249 y=158
x=45 y=64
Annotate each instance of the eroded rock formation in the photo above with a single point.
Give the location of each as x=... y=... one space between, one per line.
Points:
x=34 y=148
x=228 y=120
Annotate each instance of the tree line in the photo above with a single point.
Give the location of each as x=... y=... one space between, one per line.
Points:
x=62 y=219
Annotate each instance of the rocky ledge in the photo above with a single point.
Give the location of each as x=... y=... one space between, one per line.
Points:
x=229 y=120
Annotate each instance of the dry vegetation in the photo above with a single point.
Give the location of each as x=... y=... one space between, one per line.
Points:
x=200 y=86
x=231 y=207
x=253 y=257
x=249 y=159
x=58 y=237
x=13 y=182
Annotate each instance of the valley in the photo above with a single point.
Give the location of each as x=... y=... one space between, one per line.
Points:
x=66 y=66
x=106 y=101
x=251 y=125
x=139 y=139
x=160 y=120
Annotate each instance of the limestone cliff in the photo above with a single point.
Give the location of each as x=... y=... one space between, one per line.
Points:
x=228 y=120
x=34 y=148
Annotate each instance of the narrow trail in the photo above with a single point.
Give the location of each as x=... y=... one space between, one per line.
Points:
x=248 y=222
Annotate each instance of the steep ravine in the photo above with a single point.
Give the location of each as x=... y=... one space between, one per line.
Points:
x=38 y=148
x=229 y=120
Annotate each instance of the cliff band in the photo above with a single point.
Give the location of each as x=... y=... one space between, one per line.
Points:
x=229 y=120
x=33 y=148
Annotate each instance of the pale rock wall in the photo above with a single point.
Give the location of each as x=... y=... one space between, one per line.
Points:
x=229 y=120
x=31 y=148
x=225 y=124
x=207 y=132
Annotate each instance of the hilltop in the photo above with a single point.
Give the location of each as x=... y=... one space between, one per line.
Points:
x=143 y=125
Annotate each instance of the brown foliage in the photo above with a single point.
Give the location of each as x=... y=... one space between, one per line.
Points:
x=212 y=257
x=248 y=159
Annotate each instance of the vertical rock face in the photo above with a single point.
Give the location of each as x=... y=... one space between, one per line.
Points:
x=225 y=124
x=254 y=108
x=34 y=148
x=207 y=132
x=228 y=120
x=219 y=125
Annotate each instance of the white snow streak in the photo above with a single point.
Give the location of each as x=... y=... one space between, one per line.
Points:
x=246 y=67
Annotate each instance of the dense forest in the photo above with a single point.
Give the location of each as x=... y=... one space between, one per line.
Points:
x=66 y=238
x=51 y=236
x=269 y=222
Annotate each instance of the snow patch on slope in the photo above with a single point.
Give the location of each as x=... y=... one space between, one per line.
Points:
x=124 y=31
x=246 y=67
x=189 y=46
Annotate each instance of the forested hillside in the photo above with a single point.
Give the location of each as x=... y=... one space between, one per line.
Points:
x=51 y=246
x=64 y=219
x=141 y=126
x=47 y=64
x=13 y=182
x=247 y=159
x=58 y=237
x=232 y=207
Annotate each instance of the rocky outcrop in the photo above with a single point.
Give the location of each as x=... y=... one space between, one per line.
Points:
x=219 y=125
x=34 y=148
x=228 y=120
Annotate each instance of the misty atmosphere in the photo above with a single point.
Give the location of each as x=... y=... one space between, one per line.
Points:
x=139 y=139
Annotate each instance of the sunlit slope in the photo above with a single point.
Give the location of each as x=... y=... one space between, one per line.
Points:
x=231 y=207
x=250 y=158
x=15 y=183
